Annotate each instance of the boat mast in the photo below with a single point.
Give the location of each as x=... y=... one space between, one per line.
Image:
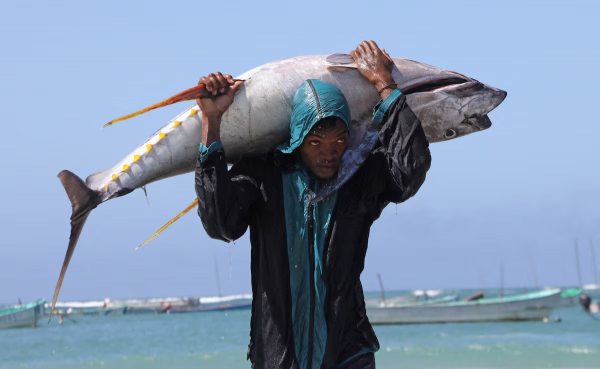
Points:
x=594 y=265
x=502 y=280
x=381 y=288
x=217 y=272
x=577 y=263
x=532 y=268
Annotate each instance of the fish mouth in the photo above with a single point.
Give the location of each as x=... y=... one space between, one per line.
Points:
x=461 y=86
x=427 y=84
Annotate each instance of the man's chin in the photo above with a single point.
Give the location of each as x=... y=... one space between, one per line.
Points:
x=325 y=175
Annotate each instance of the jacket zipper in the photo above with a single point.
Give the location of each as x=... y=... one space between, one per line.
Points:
x=314 y=91
x=311 y=257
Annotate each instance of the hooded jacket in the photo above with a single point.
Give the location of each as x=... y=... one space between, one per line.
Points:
x=320 y=321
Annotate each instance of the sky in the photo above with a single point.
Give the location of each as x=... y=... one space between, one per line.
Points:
x=516 y=197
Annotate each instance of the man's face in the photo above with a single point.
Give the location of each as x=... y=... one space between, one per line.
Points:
x=323 y=148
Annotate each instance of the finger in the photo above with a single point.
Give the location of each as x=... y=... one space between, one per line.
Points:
x=386 y=54
x=212 y=78
x=204 y=81
x=234 y=87
x=363 y=48
x=207 y=83
x=365 y=44
x=373 y=46
x=222 y=82
x=229 y=78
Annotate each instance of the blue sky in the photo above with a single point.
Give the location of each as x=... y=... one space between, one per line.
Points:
x=518 y=194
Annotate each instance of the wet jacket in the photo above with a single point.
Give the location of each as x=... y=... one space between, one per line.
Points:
x=251 y=194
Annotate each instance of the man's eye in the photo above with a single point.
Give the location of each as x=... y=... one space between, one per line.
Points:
x=341 y=140
x=314 y=143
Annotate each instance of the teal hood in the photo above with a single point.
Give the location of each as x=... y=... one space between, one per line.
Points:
x=314 y=100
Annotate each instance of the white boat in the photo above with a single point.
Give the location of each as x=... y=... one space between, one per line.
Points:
x=154 y=305
x=96 y=307
x=527 y=306
x=18 y=316
x=592 y=290
x=409 y=300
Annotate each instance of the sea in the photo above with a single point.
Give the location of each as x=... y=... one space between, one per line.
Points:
x=219 y=339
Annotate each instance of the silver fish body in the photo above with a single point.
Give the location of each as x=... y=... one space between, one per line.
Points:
x=448 y=104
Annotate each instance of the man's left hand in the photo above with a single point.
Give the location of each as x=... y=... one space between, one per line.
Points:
x=376 y=66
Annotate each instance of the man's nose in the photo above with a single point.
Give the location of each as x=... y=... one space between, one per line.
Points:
x=330 y=152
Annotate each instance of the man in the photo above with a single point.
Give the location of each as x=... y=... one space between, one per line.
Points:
x=307 y=253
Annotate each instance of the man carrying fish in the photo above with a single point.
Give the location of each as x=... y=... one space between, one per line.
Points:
x=308 y=245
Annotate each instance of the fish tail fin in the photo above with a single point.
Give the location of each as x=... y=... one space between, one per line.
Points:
x=83 y=201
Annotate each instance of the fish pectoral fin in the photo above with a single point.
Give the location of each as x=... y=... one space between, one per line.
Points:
x=192 y=205
x=340 y=62
x=83 y=201
x=341 y=59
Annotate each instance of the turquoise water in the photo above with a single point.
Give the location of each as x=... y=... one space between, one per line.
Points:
x=219 y=340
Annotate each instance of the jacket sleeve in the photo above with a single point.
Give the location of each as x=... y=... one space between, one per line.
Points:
x=404 y=148
x=225 y=196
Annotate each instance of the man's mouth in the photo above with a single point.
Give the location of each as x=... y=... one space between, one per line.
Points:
x=327 y=166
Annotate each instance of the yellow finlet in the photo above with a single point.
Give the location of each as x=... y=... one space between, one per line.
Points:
x=148 y=147
x=125 y=167
x=162 y=135
x=114 y=176
x=176 y=123
x=193 y=112
x=136 y=158
x=167 y=224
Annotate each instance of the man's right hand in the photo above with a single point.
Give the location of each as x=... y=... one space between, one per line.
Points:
x=222 y=87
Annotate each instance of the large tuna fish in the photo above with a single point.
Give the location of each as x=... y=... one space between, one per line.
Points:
x=448 y=104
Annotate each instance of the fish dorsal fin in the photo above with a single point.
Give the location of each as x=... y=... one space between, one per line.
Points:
x=340 y=60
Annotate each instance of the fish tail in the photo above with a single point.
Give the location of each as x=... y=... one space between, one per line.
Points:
x=83 y=201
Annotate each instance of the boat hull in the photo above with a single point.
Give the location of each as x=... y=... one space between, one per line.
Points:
x=22 y=316
x=535 y=306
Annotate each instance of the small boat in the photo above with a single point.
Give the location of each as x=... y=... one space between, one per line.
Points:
x=592 y=290
x=535 y=305
x=96 y=307
x=569 y=297
x=409 y=301
x=155 y=305
x=22 y=315
x=192 y=305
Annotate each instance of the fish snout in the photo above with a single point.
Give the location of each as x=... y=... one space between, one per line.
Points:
x=484 y=99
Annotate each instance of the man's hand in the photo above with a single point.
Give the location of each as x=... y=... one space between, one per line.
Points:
x=222 y=87
x=376 y=66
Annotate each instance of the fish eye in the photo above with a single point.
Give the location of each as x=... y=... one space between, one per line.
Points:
x=450 y=133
